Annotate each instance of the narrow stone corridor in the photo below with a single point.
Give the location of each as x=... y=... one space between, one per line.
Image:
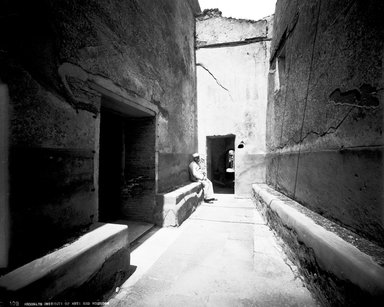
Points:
x=223 y=255
x=103 y=105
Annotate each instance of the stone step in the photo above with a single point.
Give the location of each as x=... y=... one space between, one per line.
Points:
x=79 y=265
x=137 y=229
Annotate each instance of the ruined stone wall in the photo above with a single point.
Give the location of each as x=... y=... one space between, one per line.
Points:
x=52 y=54
x=232 y=74
x=325 y=110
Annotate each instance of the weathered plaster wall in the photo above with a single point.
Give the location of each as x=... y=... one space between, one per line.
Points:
x=52 y=55
x=325 y=116
x=214 y=29
x=232 y=78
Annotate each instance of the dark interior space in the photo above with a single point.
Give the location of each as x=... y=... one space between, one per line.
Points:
x=127 y=172
x=220 y=163
x=111 y=165
x=139 y=185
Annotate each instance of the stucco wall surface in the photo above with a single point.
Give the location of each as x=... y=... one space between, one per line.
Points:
x=52 y=54
x=214 y=29
x=325 y=110
x=232 y=92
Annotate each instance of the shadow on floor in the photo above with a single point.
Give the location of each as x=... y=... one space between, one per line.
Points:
x=218 y=189
x=139 y=232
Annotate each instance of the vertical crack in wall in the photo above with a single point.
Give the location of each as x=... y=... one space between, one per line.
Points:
x=307 y=92
x=284 y=112
x=342 y=13
x=217 y=81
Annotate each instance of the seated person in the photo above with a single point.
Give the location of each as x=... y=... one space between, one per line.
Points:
x=196 y=174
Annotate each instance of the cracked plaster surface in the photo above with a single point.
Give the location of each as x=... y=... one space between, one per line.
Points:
x=212 y=75
x=364 y=98
x=69 y=70
x=329 y=130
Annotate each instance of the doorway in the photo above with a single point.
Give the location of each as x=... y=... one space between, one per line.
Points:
x=111 y=165
x=220 y=163
x=127 y=165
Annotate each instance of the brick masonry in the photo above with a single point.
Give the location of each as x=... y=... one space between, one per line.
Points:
x=138 y=191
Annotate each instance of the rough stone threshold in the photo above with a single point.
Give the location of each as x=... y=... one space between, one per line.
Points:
x=137 y=230
x=85 y=269
x=340 y=267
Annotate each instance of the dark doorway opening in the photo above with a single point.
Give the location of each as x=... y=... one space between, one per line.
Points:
x=220 y=163
x=127 y=166
x=111 y=165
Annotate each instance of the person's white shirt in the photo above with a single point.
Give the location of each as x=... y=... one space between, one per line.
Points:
x=196 y=172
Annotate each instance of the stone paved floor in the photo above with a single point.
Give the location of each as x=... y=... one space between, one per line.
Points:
x=223 y=255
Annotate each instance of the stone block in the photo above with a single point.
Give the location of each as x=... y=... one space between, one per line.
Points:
x=341 y=268
x=94 y=259
x=175 y=207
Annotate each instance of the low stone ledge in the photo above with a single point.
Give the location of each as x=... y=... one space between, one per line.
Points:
x=173 y=208
x=73 y=271
x=338 y=273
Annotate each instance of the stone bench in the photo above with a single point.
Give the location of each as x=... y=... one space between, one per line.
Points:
x=340 y=267
x=175 y=207
x=81 y=270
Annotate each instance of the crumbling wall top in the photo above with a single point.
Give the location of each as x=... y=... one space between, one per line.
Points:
x=210 y=13
x=212 y=29
x=216 y=13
